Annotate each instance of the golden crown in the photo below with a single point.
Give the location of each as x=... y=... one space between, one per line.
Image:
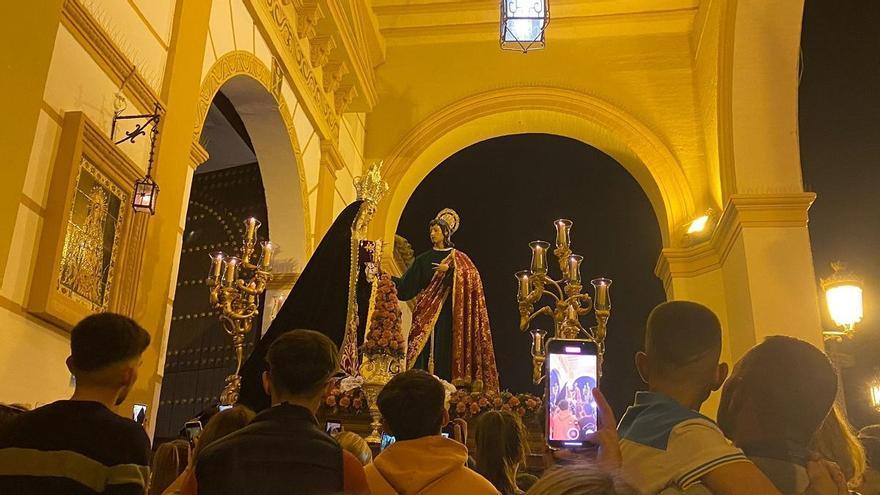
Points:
x=371 y=187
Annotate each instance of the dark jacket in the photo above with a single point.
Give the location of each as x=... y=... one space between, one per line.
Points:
x=282 y=451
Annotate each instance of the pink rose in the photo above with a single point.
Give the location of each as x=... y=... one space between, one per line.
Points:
x=483 y=402
x=330 y=401
x=383 y=342
x=475 y=408
x=460 y=407
x=505 y=407
x=344 y=402
x=497 y=402
x=530 y=403
x=514 y=402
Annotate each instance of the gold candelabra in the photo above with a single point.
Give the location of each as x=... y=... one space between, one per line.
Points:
x=569 y=303
x=236 y=285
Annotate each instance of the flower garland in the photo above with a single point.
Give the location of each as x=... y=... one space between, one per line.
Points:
x=468 y=405
x=384 y=336
x=349 y=402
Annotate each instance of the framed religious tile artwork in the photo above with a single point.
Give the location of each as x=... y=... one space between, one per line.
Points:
x=90 y=249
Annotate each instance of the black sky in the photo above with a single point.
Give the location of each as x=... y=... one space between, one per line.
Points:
x=840 y=156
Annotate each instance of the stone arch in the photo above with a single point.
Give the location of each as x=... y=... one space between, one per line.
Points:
x=255 y=91
x=542 y=110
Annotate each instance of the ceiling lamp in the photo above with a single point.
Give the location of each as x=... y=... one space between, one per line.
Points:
x=523 y=23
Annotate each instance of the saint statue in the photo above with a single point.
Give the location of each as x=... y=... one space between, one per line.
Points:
x=450 y=334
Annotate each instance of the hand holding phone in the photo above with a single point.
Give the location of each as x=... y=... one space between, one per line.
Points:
x=609 y=456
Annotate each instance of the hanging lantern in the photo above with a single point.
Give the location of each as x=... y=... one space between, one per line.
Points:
x=144 y=197
x=523 y=23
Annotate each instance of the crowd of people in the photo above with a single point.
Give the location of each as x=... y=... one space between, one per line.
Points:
x=777 y=429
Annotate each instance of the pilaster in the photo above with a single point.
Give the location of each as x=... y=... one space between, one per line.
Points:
x=27 y=34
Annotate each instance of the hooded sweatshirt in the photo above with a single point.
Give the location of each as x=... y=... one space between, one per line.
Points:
x=430 y=465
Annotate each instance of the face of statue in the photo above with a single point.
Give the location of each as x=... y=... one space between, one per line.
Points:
x=436 y=234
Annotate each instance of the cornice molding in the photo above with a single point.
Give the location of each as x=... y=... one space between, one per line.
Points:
x=331 y=158
x=742 y=211
x=277 y=27
x=282 y=281
x=197 y=155
x=118 y=67
x=354 y=51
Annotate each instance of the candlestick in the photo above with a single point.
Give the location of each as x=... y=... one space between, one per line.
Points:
x=574 y=268
x=539 y=256
x=231 y=271
x=603 y=298
x=217 y=258
x=538 y=337
x=268 y=250
x=524 y=288
x=251 y=226
x=563 y=231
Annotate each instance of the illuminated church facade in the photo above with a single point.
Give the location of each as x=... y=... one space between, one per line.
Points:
x=697 y=99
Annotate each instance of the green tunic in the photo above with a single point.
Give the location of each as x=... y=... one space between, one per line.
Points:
x=416 y=279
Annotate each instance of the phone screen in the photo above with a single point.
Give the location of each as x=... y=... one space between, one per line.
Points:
x=139 y=413
x=386 y=441
x=572 y=373
x=193 y=430
x=224 y=407
x=332 y=426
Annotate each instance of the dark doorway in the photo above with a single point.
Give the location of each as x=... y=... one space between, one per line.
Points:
x=226 y=190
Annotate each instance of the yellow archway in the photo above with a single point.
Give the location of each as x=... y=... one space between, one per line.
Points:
x=255 y=91
x=539 y=110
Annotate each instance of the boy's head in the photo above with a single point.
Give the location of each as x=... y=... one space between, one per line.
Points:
x=413 y=405
x=105 y=352
x=301 y=365
x=780 y=391
x=682 y=349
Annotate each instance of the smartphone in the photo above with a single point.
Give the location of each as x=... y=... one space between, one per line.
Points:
x=572 y=374
x=193 y=430
x=386 y=441
x=224 y=407
x=448 y=430
x=333 y=426
x=139 y=413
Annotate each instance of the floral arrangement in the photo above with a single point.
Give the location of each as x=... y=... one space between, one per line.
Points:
x=384 y=337
x=350 y=402
x=467 y=405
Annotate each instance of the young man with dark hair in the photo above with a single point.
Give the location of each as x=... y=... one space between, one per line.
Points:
x=421 y=461
x=283 y=450
x=774 y=402
x=666 y=443
x=80 y=446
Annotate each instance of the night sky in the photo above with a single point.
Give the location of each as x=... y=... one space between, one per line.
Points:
x=508 y=193
x=840 y=156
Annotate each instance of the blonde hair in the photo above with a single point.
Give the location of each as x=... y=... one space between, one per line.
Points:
x=169 y=460
x=835 y=440
x=581 y=479
x=353 y=443
x=500 y=441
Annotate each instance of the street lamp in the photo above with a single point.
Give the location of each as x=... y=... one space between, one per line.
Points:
x=843 y=295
